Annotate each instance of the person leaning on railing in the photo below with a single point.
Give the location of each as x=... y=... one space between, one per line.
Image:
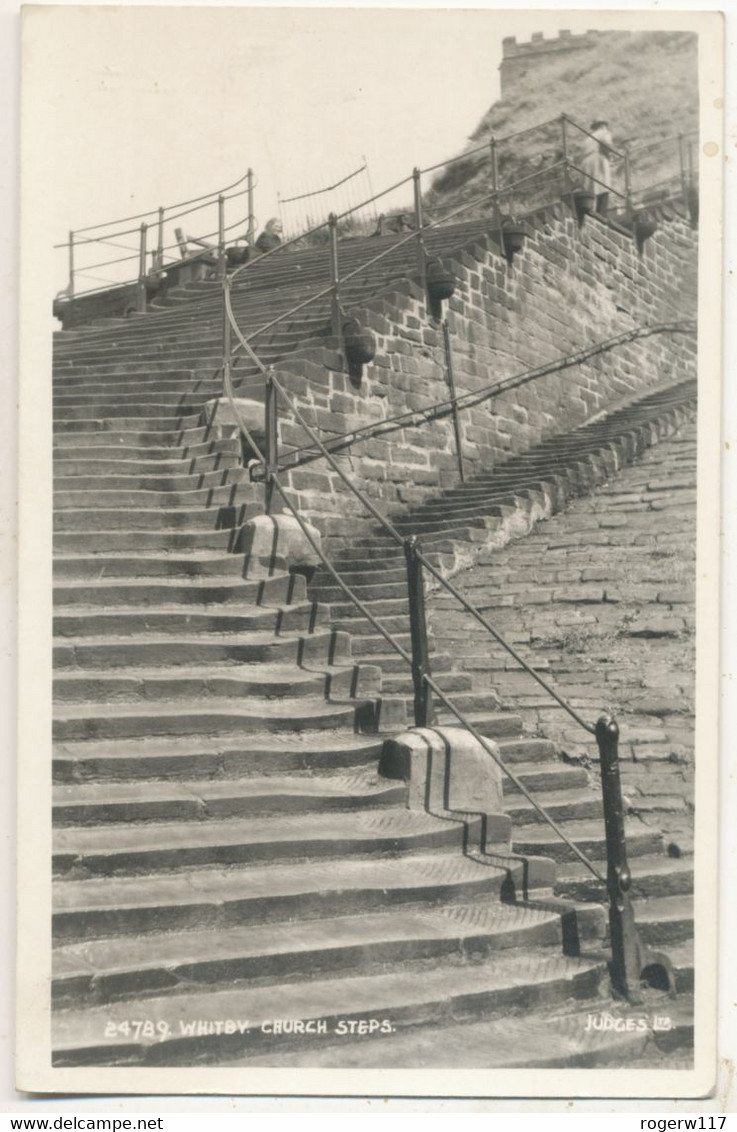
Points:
x=595 y=164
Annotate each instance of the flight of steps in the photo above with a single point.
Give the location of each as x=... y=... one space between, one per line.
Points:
x=487 y=511
x=226 y=852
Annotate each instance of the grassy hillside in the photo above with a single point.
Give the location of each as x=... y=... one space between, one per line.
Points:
x=644 y=84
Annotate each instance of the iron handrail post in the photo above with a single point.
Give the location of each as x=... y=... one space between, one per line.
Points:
x=141 y=289
x=627 y=952
x=564 y=143
x=495 y=189
x=424 y=711
x=159 y=258
x=336 y=318
x=682 y=164
x=221 y=235
x=227 y=330
x=453 y=398
x=627 y=185
x=271 y=441
x=421 y=258
x=251 y=231
x=70 y=288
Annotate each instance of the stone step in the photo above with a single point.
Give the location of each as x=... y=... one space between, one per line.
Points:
x=213 y=898
x=404 y=998
x=124 y=621
x=111 y=969
x=88 y=452
x=95 y=803
x=541 y=840
x=206 y=589
x=222 y=757
x=212 y=717
x=665 y=920
x=100 y=498
x=543 y=779
x=653 y=875
x=529 y=748
x=562 y=805
x=323 y=646
x=157 y=847
x=157 y=417
x=105 y=487
x=130 y=432
x=152 y=518
x=146 y=540
x=578 y=1034
x=198 y=564
x=198 y=684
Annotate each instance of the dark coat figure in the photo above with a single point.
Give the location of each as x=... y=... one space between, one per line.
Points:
x=270 y=238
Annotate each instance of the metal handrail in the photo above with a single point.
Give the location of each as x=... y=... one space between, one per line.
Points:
x=438 y=409
x=154 y=211
x=375 y=623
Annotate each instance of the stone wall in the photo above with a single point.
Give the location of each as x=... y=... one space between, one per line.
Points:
x=600 y=599
x=568 y=288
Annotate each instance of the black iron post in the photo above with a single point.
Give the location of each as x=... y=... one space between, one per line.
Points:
x=564 y=143
x=453 y=398
x=421 y=258
x=495 y=193
x=271 y=442
x=251 y=232
x=221 y=235
x=70 y=286
x=423 y=703
x=627 y=186
x=141 y=288
x=627 y=952
x=336 y=319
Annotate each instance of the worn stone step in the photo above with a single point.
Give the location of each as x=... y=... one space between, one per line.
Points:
x=212 y=898
x=132 y=519
x=652 y=875
x=99 y=803
x=124 y=620
x=588 y=836
x=212 y=717
x=198 y=683
x=664 y=920
x=530 y=748
x=557 y=1036
x=89 y=453
x=547 y=779
x=122 y=540
x=108 y=970
x=155 y=847
x=492 y=724
x=221 y=757
x=323 y=646
x=208 y=589
x=115 y=488
x=196 y=565
x=404 y=998
x=368 y=592
x=563 y=806
x=102 y=497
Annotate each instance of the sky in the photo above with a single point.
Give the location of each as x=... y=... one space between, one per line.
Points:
x=135 y=107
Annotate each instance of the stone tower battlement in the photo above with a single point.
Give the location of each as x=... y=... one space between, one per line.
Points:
x=515 y=55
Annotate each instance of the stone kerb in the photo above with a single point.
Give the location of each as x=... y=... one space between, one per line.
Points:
x=570 y=286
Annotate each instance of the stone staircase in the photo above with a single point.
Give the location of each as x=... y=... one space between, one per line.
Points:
x=234 y=880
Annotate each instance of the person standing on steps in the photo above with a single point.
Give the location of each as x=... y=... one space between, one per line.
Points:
x=270 y=238
x=595 y=164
